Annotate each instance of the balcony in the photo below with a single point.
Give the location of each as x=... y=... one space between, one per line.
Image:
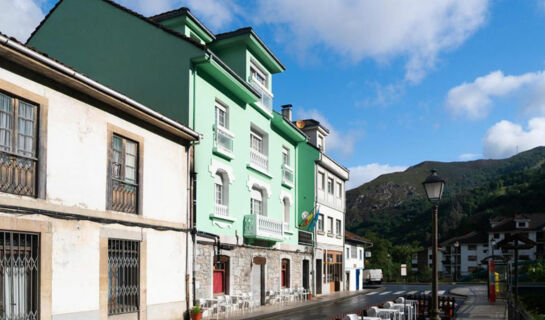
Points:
x=17 y=174
x=259 y=161
x=287 y=176
x=266 y=101
x=263 y=228
x=223 y=141
x=221 y=210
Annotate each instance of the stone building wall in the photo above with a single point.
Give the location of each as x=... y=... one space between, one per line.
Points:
x=240 y=265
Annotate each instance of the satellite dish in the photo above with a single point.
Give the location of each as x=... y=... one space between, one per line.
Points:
x=304 y=215
x=300 y=124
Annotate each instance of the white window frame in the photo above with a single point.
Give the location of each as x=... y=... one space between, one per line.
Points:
x=256 y=135
x=286 y=156
x=321 y=180
x=225 y=110
x=339 y=190
x=330 y=225
x=332 y=189
x=254 y=66
x=321 y=222
x=320 y=142
x=286 y=208
x=260 y=204
x=338 y=227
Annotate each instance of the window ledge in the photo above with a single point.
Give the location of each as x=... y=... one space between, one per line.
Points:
x=286 y=184
x=329 y=234
x=224 y=218
x=258 y=169
x=224 y=153
x=288 y=232
x=320 y=233
x=338 y=236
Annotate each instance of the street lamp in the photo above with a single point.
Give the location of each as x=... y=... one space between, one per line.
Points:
x=434 y=186
x=456 y=245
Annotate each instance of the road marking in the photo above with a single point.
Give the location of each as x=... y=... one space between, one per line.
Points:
x=385 y=292
x=441 y=292
x=399 y=292
x=427 y=292
x=412 y=292
x=372 y=293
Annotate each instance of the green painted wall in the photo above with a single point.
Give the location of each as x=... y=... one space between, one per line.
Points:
x=307 y=155
x=235 y=58
x=148 y=65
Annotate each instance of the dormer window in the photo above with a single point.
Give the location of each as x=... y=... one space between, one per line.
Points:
x=258 y=75
x=321 y=142
x=522 y=224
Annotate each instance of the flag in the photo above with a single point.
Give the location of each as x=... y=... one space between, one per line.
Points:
x=315 y=220
x=307 y=219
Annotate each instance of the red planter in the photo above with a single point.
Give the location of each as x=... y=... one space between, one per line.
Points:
x=310 y=296
x=196 y=316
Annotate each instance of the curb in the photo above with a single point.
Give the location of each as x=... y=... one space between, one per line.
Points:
x=301 y=308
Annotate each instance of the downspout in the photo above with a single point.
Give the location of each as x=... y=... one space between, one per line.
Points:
x=188 y=214
x=315 y=202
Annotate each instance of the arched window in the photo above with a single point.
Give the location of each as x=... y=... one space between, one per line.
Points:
x=257 y=201
x=285 y=273
x=221 y=275
x=286 y=206
x=221 y=194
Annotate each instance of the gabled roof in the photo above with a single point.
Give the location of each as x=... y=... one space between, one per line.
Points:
x=472 y=237
x=249 y=31
x=311 y=123
x=536 y=221
x=352 y=237
x=183 y=11
x=139 y=16
x=11 y=48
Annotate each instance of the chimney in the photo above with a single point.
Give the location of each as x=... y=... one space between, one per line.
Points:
x=286 y=112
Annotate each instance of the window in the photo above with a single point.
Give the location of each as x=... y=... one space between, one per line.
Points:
x=285 y=273
x=258 y=75
x=221 y=275
x=285 y=156
x=124 y=175
x=321 y=179
x=221 y=195
x=256 y=201
x=258 y=150
x=321 y=222
x=471 y=258
x=347 y=252
x=339 y=190
x=221 y=116
x=286 y=205
x=123 y=276
x=472 y=247
x=338 y=227
x=330 y=225
x=19 y=275
x=354 y=252
x=321 y=142
x=521 y=224
x=329 y=185
x=18 y=156
x=361 y=254
x=256 y=142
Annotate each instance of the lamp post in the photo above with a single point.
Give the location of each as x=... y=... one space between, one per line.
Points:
x=456 y=245
x=434 y=185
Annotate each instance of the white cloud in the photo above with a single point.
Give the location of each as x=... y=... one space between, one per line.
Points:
x=469 y=156
x=18 y=18
x=365 y=173
x=474 y=100
x=505 y=138
x=337 y=141
x=382 y=30
x=216 y=14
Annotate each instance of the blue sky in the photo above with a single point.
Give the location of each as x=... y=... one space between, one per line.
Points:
x=397 y=82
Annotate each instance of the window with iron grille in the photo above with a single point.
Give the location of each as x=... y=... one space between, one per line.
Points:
x=123 y=276
x=124 y=175
x=19 y=275
x=18 y=158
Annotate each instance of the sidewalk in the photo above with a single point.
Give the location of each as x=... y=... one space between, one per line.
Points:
x=476 y=306
x=267 y=311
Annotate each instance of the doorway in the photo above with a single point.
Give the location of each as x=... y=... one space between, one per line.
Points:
x=357 y=279
x=347 y=288
x=318 y=276
x=258 y=280
x=306 y=274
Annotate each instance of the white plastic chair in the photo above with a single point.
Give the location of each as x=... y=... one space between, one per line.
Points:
x=220 y=302
x=205 y=306
x=403 y=309
x=383 y=313
x=352 y=316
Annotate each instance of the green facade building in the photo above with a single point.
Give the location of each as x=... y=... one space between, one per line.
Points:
x=253 y=171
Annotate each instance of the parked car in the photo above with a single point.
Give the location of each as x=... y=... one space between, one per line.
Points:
x=372 y=276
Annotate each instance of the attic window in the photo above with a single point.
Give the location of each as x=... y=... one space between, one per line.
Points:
x=258 y=75
x=522 y=224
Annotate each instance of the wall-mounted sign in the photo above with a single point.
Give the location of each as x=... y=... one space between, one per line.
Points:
x=403 y=270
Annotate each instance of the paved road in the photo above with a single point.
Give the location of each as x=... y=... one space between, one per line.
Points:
x=367 y=298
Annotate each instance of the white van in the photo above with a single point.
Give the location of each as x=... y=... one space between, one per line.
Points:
x=372 y=276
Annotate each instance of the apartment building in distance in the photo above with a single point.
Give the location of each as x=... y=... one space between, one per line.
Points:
x=93 y=197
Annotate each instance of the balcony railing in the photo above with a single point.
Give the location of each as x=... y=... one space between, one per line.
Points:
x=221 y=210
x=259 y=160
x=263 y=228
x=17 y=174
x=124 y=196
x=266 y=97
x=223 y=140
x=287 y=175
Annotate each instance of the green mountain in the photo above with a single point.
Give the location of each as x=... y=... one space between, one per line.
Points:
x=395 y=206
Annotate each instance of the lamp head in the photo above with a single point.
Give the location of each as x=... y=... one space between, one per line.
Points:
x=434 y=186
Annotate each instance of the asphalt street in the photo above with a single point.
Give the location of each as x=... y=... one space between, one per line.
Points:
x=368 y=297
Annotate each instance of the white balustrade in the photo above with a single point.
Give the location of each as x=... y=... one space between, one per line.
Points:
x=221 y=210
x=287 y=175
x=262 y=227
x=259 y=160
x=224 y=140
x=266 y=97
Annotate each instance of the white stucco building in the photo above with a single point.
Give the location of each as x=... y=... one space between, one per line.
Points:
x=330 y=201
x=463 y=255
x=532 y=226
x=93 y=198
x=354 y=260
